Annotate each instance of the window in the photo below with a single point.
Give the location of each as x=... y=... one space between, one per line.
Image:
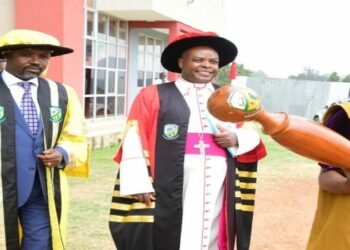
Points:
x=148 y=60
x=105 y=64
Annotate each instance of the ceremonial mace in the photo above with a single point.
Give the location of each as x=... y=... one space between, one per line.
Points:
x=302 y=136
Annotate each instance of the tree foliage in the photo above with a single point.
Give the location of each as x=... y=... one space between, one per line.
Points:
x=259 y=73
x=241 y=71
x=223 y=75
x=309 y=74
x=334 y=77
x=346 y=78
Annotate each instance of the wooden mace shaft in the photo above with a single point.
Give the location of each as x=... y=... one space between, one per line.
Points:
x=307 y=138
x=298 y=134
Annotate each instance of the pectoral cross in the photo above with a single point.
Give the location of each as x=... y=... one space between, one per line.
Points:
x=202 y=146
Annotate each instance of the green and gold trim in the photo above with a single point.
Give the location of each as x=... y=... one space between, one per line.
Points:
x=127 y=208
x=2 y=217
x=56 y=180
x=9 y=224
x=131 y=218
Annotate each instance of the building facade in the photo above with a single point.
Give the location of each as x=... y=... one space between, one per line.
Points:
x=117 y=46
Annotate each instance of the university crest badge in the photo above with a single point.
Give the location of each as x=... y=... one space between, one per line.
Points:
x=171 y=131
x=244 y=99
x=2 y=114
x=55 y=114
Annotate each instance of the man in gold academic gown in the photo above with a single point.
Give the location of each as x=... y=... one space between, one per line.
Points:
x=42 y=140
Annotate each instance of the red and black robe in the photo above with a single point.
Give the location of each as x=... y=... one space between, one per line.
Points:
x=159 y=227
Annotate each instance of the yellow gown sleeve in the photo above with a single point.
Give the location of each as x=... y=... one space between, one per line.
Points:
x=73 y=138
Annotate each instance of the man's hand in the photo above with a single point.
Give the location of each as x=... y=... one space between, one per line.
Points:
x=51 y=158
x=225 y=138
x=146 y=198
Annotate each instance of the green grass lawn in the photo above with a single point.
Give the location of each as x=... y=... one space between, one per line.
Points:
x=89 y=204
x=90 y=198
x=279 y=159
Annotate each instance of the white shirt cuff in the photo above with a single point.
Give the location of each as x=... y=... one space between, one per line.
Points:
x=247 y=138
x=134 y=177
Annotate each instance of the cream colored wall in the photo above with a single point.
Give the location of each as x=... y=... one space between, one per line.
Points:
x=7 y=14
x=206 y=15
x=124 y=4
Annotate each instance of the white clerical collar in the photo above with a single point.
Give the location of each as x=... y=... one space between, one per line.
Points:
x=184 y=86
x=10 y=79
x=193 y=84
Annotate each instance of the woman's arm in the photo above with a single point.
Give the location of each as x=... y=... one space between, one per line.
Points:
x=334 y=182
